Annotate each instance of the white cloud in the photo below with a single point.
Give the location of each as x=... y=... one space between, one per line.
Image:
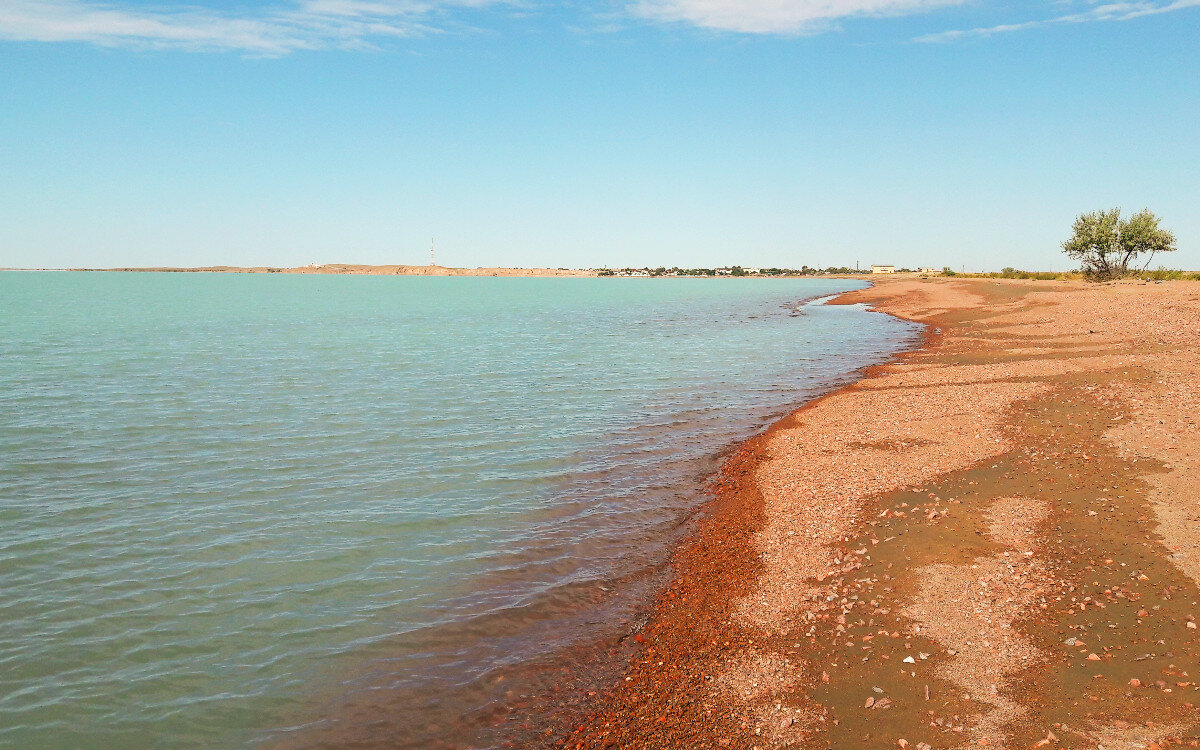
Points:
x=308 y=24
x=293 y=25
x=777 y=16
x=1108 y=12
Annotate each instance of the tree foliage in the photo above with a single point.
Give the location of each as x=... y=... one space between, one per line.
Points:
x=1105 y=244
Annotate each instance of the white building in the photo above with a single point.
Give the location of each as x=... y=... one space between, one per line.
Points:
x=883 y=269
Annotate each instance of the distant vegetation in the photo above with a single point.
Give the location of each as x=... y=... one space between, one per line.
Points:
x=1162 y=274
x=1106 y=245
x=725 y=271
x=1013 y=273
x=1169 y=274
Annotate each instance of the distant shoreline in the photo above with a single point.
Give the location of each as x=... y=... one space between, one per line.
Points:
x=355 y=270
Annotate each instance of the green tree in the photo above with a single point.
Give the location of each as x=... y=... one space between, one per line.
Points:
x=1105 y=244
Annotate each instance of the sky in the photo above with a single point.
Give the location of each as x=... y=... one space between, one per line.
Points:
x=962 y=133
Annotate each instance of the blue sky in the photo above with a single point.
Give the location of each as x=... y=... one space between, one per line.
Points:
x=690 y=132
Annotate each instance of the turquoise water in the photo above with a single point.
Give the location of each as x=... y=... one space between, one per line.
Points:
x=232 y=507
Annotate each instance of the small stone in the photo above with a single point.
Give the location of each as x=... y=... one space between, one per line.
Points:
x=1093 y=657
x=1191 y=625
x=1071 y=641
x=909 y=660
x=787 y=722
x=902 y=742
x=1135 y=682
x=870 y=702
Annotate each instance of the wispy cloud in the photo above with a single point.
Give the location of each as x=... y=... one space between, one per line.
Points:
x=278 y=30
x=292 y=25
x=777 y=16
x=1107 y=12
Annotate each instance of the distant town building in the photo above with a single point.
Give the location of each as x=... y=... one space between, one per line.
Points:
x=752 y=270
x=883 y=269
x=927 y=270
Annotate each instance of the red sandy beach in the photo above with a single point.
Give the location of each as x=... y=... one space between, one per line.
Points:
x=993 y=542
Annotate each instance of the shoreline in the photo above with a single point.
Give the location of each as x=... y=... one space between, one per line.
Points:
x=587 y=667
x=709 y=564
x=529 y=702
x=766 y=636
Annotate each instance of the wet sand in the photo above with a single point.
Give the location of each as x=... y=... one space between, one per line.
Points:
x=992 y=542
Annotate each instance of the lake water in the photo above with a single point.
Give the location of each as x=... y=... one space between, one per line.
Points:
x=260 y=510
